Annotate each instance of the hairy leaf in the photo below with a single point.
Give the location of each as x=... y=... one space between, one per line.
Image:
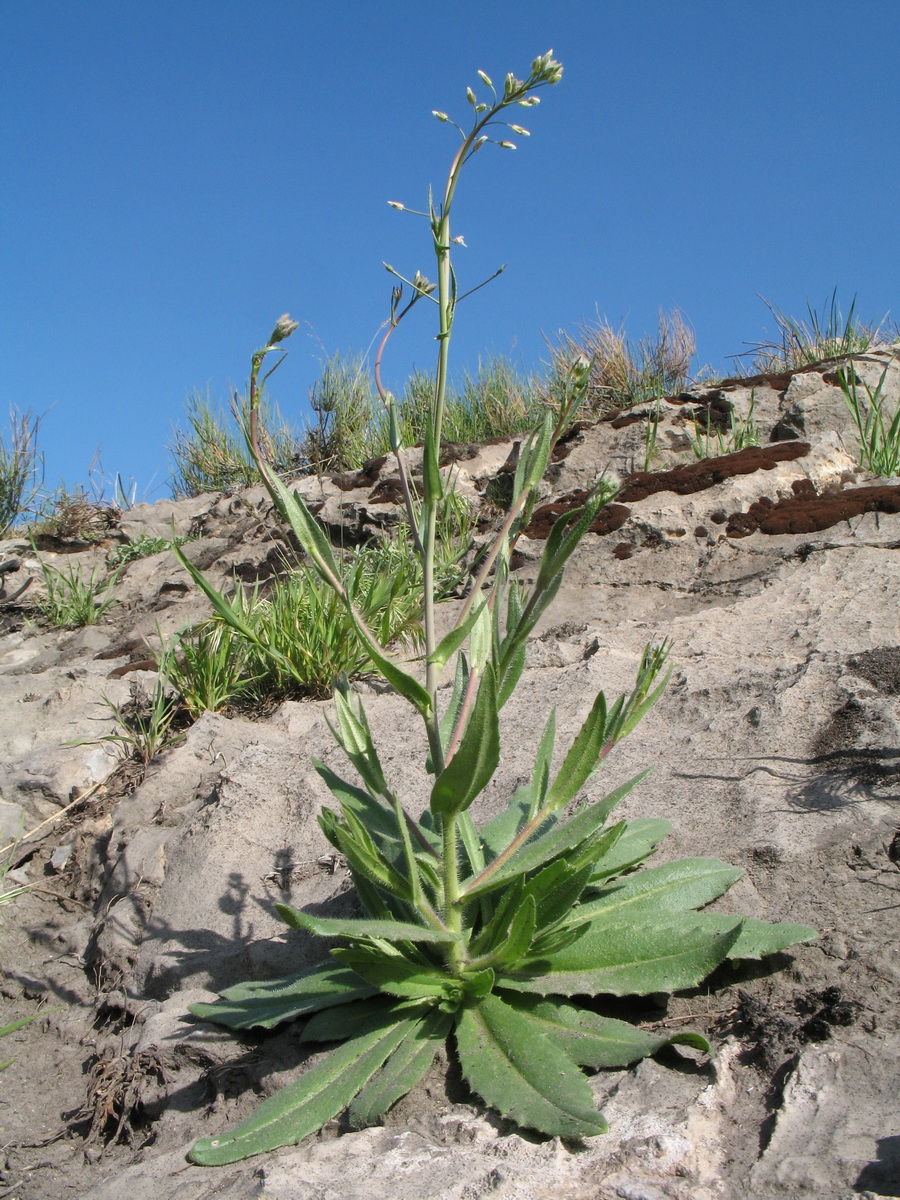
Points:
x=397 y=975
x=638 y=841
x=758 y=938
x=389 y=931
x=594 y=1041
x=270 y=1002
x=403 y=1070
x=671 y=952
x=673 y=887
x=304 y=1106
x=510 y=1063
x=473 y=765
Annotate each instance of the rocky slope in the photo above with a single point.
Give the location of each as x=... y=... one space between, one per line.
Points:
x=775 y=574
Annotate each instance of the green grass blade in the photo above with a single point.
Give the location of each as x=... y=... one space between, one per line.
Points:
x=302 y=1108
x=510 y=1063
x=594 y=1041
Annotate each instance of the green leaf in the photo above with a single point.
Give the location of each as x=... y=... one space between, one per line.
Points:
x=562 y=837
x=355 y=739
x=637 y=843
x=543 y=760
x=499 y=831
x=518 y=935
x=374 y=815
x=510 y=1063
x=388 y=931
x=404 y=1069
x=454 y=707
x=556 y=889
x=666 y=954
x=448 y=645
x=759 y=938
x=473 y=765
x=582 y=757
x=673 y=887
x=397 y=975
x=594 y=1041
x=303 y=1107
x=270 y=1002
x=353 y=1020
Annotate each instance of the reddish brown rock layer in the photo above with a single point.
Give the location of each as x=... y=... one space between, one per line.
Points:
x=805 y=513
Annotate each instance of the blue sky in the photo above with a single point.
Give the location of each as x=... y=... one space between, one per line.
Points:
x=178 y=174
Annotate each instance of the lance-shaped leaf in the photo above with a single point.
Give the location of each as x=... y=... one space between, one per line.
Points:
x=355 y=739
x=518 y=935
x=556 y=889
x=594 y=1041
x=304 y=1106
x=403 y=1070
x=351 y=927
x=499 y=831
x=758 y=938
x=474 y=763
x=448 y=645
x=510 y=1063
x=673 y=887
x=397 y=975
x=637 y=843
x=582 y=757
x=270 y=1002
x=352 y=839
x=560 y=838
x=666 y=954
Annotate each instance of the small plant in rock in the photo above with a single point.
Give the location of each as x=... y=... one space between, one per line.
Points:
x=21 y=469
x=144 y=726
x=73 y=515
x=493 y=936
x=143 y=546
x=710 y=441
x=803 y=343
x=626 y=373
x=71 y=599
x=295 y=640
x=878 y=430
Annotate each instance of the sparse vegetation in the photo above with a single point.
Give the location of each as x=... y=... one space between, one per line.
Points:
x=142 y=547
x=211 y=455
x=625 y=373
x=144 y=726
x=815 y=339
x=21 y=469
x=73 y=515
x=711 y=440
x=72 y=599
x=878 y=430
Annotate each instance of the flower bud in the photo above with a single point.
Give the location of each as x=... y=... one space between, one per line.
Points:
x=396 y=204
x=511 y=82
x=529 y=101
x=284 y=327
x=507 y=145
x=470 y=96
x=522 y=132
x=441 y=116
x=479 y=142
x=485 y=79
x=459 y=240
x=580 y=367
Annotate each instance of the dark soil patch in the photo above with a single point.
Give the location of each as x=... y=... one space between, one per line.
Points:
x=697 y=477
x=807 y=513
